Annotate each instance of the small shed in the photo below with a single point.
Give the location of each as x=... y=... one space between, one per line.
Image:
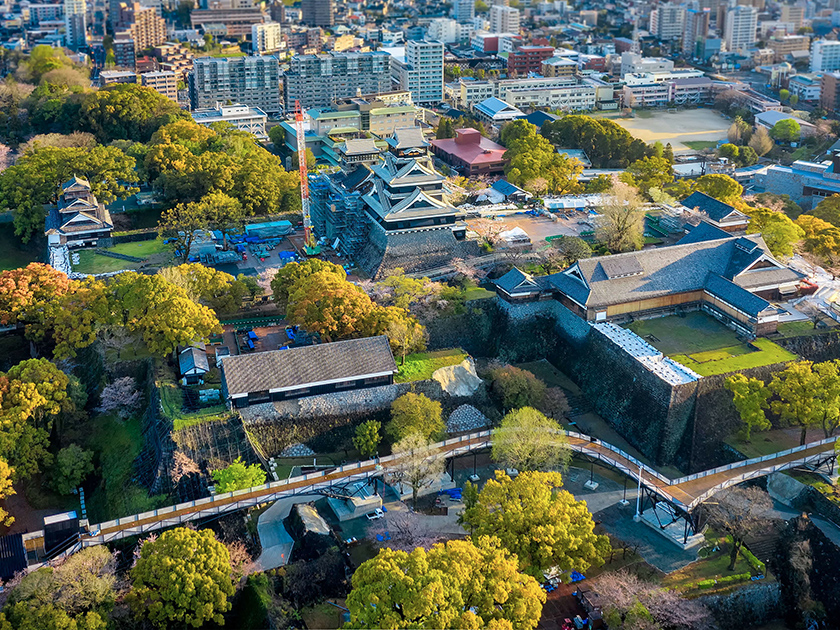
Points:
x=193 y=365
x=511 y=192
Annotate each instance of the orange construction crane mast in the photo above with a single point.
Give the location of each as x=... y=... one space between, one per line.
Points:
x=309 y=241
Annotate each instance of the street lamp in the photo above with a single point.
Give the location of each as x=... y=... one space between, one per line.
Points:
x=638 y=515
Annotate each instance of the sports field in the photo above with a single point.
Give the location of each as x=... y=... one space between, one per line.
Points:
x=693 y=125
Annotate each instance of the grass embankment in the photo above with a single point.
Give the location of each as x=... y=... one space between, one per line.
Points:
x=94 y=263
x=735 y=358
x=172 y=403
x=13 y=253
x=699 y=145
x=420 y=366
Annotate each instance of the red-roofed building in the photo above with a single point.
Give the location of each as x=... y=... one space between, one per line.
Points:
x=528 y=59
x=471 y=153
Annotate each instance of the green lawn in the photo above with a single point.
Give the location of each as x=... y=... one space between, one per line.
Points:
x=716 y=566
x=735 y=358
x=766 y=442
x=699 y=145
x=419 y=367
x=93 y=263
x=13 y=253
x=209 y=414
x=696 y=332
x=477 y=293
x=140 y=249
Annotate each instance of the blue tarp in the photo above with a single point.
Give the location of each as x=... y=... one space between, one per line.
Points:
x=286 y=255
x=250 y=344
x=252 y=335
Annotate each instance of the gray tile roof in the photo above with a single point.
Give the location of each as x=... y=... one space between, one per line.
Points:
x=300 y=367
x=518 y=281
x=715 y=209
x=193 y=358
x=669 y=270
x=705 y=231
x=734 y=295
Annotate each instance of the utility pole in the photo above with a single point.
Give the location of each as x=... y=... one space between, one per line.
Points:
x=638 y=516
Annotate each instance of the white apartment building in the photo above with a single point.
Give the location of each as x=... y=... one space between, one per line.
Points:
x=75 y=23
x=740 y=28
x=806 y=87
x=667 y=21
x=418 y=68
x=649 y=78
x=633 y=63
x=504 y=19
x=449 y=31
x=567 y=93
x=266 y=38
x=825 y=56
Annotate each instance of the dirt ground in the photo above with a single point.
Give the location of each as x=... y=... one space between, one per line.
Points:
x=676 y=128
x=538 y=228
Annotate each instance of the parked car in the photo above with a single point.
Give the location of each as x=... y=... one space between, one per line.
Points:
x=375 y=515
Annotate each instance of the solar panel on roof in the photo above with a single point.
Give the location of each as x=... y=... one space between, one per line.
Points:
x=622 y=267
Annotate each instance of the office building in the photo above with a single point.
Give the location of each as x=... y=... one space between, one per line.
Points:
x=830 y=91
x=75 y=23
x=144 y=26
x=44 y=13
x=418 y=68
x=163 y=82
x=504 y=19
x=109 y=77
x=463 y=11
x=740 y=28
x=251 y=81
x=633 y=63
x=318 y=80
x=173 y=56
x=250 y=119
x=786 y=45
x=266 y=38
x=318 y=12
x=806 y=87
x=825 y=56
x=124 y=52
x=667 y=21
x=695 y=29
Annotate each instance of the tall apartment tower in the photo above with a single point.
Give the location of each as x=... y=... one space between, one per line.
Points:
x=696 y=29
x=740 y=27
x=318 y=12
x=252 y=81
x=825 y=56
x=420 y=71
x=667 y=21
x=266 y=38
x=463 y=11
x=145 y=27
x=793 y=15
x=75 y=23
x=318 y=80
x=504 y=19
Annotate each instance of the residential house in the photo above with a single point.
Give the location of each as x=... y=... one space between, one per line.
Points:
x=192 y=365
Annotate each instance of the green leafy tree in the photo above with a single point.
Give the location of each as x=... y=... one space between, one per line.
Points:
x=828 y=210
x=821 y=238
x=6 y=490
x=291 y=273
x=415 y=414
x=528 y=440
x=515 y=387
x=795 y=401
x=606 y=143
x=367 y=438
x=328 y=304
x=72 y=465
x=445 y=129
x=750 y=396
x=787 y=130
x=720 y=187
x=205 y=285
x=36 y=178
x=541 y=524
x=182 y=578
x=238 y=476
x=406 y=335
x=599 y=184
x=403 y=291
x=415 y=463
x=532 y=158
x=649 y=172
x=777 y=230
x=828 y=396
x=668 y=153
x=622 y=221
x=311 y=160
x=459 y=584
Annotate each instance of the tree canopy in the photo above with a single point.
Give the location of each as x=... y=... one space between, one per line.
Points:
x=606 y=143
x=528 y=440
x=828 y=210
x=183 y=578
x=238 y=476
x=750 y=395
x=415 y=414
x=31 y=296
x=720 y=187
x=776 y=228
x=787 y=130
x=515 y=387
x=649 y=172
x=535 y=164
x=459 y=584
x=621 y=224
x=36 y=178
x=367 y=437
x=541 y=524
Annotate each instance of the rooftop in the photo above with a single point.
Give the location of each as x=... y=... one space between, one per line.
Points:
x=473 y=148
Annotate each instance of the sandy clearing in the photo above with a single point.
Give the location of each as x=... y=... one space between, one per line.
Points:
x=679 y=127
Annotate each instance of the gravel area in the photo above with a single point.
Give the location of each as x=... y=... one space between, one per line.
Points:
x=466 y=418
x=297 y=450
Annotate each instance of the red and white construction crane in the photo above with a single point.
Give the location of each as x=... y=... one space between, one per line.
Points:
x=309 y=241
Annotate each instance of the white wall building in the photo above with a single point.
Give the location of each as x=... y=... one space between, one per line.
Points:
x=504 y=19
x=244 y=118
x=418 y=68
x=825 y=56
x=740 y=28
x=667 y=21
x=463 y=10
x=449 y=31
x=632 y=63
x=266 y=38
